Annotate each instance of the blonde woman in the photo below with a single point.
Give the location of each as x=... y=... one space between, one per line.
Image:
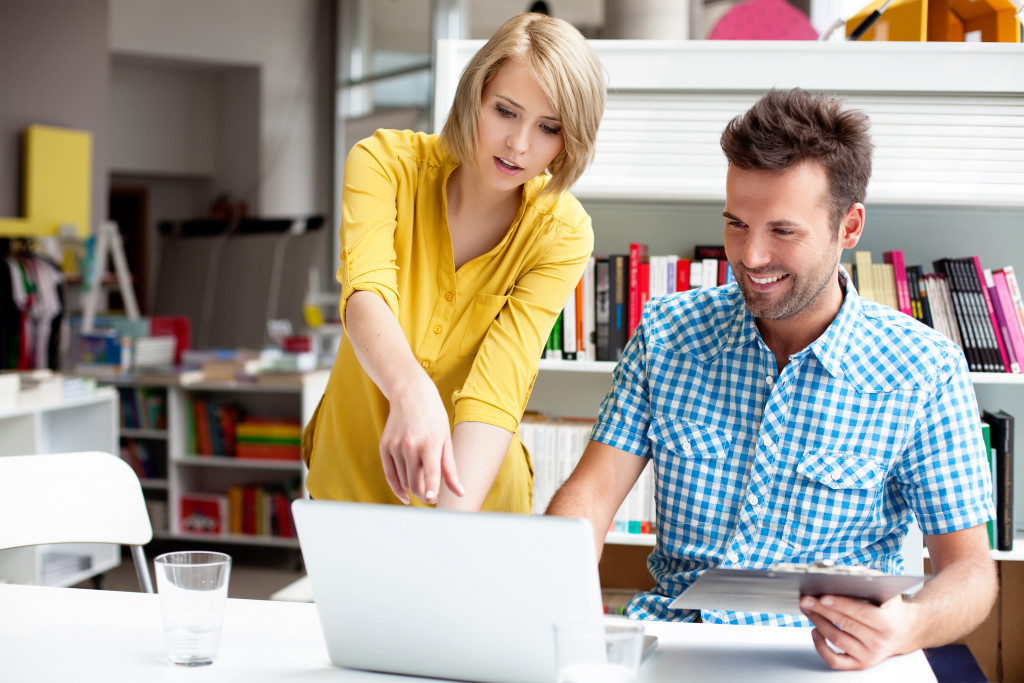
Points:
x=458 y=252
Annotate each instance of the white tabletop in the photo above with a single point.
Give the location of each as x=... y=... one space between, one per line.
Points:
x=68 y=634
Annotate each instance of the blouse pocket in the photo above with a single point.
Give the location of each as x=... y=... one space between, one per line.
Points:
x=482 y=313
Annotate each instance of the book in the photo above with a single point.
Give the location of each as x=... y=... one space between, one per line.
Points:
x=638 y=253
x=986 y=437
x=864 y=274
x=587 y=325
x=894 y=258
x=1001 y=425
x=618 y=282
x=602 y=310
x=1015 y=295
x=683 y=275
x=986 y=298
x=962 y=317
x=568 y=339
x=1006 y=319
x=982 y=315
x=203 y=513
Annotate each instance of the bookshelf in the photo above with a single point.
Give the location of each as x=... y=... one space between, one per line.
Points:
x=947 y=120
x=182 y=472
x=60 y=426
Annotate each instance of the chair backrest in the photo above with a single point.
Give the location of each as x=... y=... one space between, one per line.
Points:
x=86 y=497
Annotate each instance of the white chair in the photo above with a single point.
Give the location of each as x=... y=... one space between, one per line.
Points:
x=86 y=497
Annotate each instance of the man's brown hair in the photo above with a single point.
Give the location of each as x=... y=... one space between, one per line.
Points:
x=788 y=127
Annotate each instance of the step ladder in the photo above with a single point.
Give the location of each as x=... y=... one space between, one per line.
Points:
x=108 y=240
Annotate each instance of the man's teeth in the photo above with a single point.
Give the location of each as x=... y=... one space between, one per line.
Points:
x=766 y=280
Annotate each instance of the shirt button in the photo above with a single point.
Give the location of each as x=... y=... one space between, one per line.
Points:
x=448 y=296
x=425 y=363
x=769 y=379
x=437 y=329
x=752 y=499
x=836 y=476
x=733 y=557
x=687 y=447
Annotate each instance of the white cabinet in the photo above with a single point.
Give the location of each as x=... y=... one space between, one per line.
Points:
x=182 y=472
x=948 y=178
x=82 y=424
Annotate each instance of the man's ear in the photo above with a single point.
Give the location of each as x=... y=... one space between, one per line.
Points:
x=852 y=226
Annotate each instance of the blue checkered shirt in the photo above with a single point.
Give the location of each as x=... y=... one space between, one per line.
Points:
x=873 y=424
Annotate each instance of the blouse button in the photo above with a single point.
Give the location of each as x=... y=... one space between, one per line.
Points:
x=448 y=296
x=425 y=363
x=437 y=329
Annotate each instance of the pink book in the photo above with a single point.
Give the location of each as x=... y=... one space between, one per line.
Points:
x=1005 y=313
x=637 y=254
x=899 y=268
x=1014 y=287
x=997 y=290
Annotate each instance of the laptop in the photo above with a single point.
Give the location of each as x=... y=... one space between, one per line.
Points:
x=461 y=595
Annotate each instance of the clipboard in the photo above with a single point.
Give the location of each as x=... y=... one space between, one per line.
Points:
x=779 y=590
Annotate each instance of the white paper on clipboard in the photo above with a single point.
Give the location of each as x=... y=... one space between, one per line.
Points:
x=779 y=591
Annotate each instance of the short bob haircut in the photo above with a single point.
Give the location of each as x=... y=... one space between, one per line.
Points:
x=566 y=68
x=788 y=127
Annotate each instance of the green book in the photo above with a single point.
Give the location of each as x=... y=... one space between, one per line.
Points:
x=987 y=437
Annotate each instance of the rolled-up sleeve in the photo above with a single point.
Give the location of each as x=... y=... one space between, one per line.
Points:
x=368 y=222
x=499 y=384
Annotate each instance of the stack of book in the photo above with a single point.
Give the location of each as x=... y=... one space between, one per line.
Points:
x=265 y=439
x=606 y=306
x=555 y=445
x=979 y=308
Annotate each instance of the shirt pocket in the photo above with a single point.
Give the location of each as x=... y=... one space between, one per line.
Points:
x=837 y=498
x=482 y=313
x=696 y=477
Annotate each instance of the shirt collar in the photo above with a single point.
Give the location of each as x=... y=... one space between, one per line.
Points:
x=830 y=348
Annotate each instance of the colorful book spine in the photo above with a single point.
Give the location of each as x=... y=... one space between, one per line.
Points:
x=602 y=310
x=895 y=259
x=986 y=301
x=638 y=253
x=1002 y=431
x=1006 y=318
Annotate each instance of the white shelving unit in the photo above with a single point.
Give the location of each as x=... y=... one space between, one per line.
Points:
x=948 y=180
x=187 y=472
x=82 y=424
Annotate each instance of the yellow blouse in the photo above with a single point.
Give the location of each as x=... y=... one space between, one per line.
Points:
x=478 y=331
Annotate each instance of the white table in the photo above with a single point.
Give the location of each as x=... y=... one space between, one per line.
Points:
x=68 y=634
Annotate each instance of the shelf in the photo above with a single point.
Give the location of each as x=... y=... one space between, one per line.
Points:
x=619 y=538
x=242 y=539
x=237 y=463
x=996 y=378
x=154 y=483
x=155 y=434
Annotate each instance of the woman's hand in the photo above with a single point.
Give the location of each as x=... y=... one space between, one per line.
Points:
x=416 y=446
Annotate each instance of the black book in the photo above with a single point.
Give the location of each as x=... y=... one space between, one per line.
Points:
x=602 y=310
x=919 y=290
x=618 y=287
x=1001 y=425
x=979 y=313
x=971 y=346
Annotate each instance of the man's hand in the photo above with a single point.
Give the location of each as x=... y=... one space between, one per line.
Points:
x=416 y=446
x=864 y=634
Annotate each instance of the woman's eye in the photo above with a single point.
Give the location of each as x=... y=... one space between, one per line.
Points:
x=550 y=130
x=503 y=112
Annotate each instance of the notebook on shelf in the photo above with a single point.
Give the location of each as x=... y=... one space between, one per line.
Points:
x=457 y=595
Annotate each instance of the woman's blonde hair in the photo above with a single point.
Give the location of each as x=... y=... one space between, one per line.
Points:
x=566 y=68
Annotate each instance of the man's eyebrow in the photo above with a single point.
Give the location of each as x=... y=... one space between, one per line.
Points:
x=778 y=223
x=520 y=107
x=728 y=215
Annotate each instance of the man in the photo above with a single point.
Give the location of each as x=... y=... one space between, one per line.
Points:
x=790 y=420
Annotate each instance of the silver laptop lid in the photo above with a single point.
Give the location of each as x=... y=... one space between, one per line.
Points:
x=466 y=596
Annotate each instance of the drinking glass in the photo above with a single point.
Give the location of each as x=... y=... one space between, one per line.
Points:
x=598 y=649
x=193 y=588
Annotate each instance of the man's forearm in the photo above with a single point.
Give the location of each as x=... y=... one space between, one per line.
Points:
x=955 y=601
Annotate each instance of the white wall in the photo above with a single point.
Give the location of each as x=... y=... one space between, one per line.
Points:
x=289 y=41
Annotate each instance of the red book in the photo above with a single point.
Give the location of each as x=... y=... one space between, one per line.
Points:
x=644 y=281
x=899 y=268
x=683 y=275
x=637 y=254
x=581 y=352
x=202 y=513
x=177 y=326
